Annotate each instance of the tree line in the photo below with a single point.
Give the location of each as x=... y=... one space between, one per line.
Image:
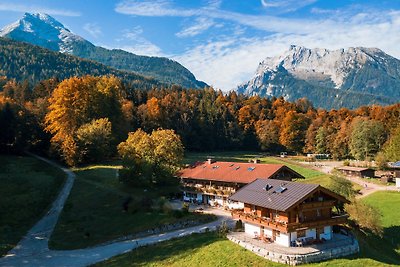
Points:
x=83 y=119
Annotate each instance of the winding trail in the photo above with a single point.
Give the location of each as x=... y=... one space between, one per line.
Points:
x=33 y=249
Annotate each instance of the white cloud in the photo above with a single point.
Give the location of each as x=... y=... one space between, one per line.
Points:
x=133 y=34
x=158 y=8
x=134 y=42
x=201 y=24
x=287 y=5
x=31 y=8
x=93 y=29
x=229 y=62
x=266 y=23
x=148 y=49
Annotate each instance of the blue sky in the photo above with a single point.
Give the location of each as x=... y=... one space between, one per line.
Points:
x=222 y=41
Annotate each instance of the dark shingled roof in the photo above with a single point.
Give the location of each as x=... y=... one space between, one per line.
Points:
x=255 y=193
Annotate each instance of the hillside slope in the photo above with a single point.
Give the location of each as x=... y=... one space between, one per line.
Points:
x=45 y=31
x=23 y=61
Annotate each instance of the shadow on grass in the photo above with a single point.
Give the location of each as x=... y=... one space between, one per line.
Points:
x=380 y=248
x=177 y=248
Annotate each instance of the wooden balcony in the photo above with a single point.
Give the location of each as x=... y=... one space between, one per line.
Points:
x=250 y=218
x=334 y=220
x=210 y=190
x=285 y=227
x=317 y=205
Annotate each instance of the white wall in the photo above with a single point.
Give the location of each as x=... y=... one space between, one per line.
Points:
x=398 y=182
x=268 y=232
x=251 y=229
x=293 y=236
x=283 y=240
x=235 y=205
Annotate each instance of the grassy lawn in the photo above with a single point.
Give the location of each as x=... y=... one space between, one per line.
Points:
x=94 y=211
x=210 y=250
x=28 y=187
x=388 y=202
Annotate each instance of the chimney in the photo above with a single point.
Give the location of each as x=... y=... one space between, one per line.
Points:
x=255 y=161
x=210 y=161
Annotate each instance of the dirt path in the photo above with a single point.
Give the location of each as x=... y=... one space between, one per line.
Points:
x=33 y=249
x=367 y=187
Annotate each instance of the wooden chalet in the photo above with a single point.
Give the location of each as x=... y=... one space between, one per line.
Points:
x=357 y=171
x=212 y=182
x=288 y=213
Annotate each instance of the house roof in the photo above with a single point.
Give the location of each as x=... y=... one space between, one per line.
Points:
x=354 y=169
x=281 y=195
x=235 y=172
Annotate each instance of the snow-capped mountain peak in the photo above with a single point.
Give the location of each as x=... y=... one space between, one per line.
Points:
x=300 y=70
x=43 y=30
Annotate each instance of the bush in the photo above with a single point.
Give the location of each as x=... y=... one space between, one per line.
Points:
x=146 y=203
x=346 y=163
x=239 y=225
x=223 y=229
x=185 y=208
x=365 y=216
x=341 y=186
x=177 y=214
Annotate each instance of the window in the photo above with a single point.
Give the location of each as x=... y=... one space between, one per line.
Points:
x=301 y=233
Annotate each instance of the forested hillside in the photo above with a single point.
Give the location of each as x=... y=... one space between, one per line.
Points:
x=205 y=120
x=47 y=32
x=22 y=61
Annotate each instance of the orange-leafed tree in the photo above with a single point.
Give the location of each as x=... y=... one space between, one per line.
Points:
x=293 y=130
x=78 y=101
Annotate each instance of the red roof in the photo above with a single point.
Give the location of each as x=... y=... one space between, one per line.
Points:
x=234 y=172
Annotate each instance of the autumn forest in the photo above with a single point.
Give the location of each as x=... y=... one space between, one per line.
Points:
x=82 y=120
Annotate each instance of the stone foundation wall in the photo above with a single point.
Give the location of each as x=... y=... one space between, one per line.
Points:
x=296 y=259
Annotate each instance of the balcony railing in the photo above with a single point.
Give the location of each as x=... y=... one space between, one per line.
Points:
x=266 y=222
x=212 y=190
x=287 y=227
x=317 y=204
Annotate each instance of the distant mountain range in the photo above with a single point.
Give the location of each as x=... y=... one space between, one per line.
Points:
x=23 y=61
x=329 y=79
x=43 y=30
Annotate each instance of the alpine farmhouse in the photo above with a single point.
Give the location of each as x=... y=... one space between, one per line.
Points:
x=212 y=182
x=288 y=213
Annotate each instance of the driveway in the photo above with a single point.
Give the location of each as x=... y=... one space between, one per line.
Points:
x=33 y=249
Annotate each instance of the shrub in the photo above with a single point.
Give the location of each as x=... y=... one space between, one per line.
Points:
x=223 y=229
x=239 y=225
x=146 y=203
x=365 y=216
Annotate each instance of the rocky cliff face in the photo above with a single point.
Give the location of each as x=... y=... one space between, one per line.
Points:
x=329 y=78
